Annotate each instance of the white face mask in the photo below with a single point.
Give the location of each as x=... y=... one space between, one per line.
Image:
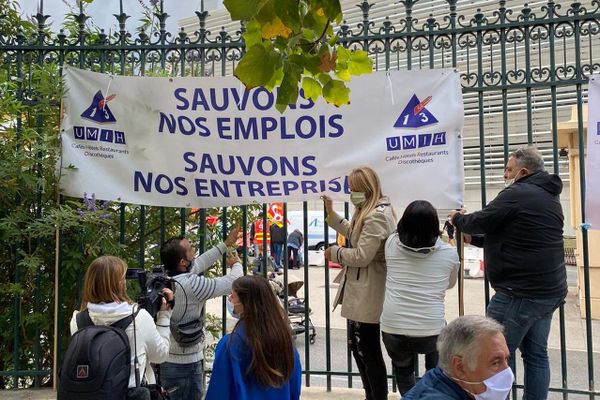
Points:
x=498 y=386
x=230 y=308
x=508 y=182
x=358 y=198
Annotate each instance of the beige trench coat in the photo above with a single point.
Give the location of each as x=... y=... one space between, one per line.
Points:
x=362 y=280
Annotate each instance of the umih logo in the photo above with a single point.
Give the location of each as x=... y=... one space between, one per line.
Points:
x=100 y=113
x=415 y=115
x=410 y=142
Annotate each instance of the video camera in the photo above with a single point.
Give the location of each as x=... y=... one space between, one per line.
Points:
x=151 y=287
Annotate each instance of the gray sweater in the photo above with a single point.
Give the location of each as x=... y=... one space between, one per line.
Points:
x=193 y=289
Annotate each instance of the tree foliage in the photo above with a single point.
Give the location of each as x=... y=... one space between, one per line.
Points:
x=291 y=46
x=33 y=214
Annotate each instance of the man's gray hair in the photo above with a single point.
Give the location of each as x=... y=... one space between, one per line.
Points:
x=460 y=338
x=528 y=157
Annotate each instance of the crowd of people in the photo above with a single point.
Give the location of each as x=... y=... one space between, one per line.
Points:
x=392 y=287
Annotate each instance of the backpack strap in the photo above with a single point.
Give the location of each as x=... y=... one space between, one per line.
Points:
x=83 y=319
x=124 y=322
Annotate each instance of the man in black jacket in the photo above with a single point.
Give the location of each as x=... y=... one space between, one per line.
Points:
x=521 y=232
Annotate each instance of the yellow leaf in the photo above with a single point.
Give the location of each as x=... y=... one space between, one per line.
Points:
x=275 y=28
x=320 y=12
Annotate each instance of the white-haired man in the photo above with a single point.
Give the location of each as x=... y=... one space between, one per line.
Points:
x=473 y=363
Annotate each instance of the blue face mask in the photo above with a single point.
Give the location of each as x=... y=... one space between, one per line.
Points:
x=231 y=310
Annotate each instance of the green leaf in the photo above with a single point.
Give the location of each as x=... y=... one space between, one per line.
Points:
x=343 y=54
x=252 y=35
x=360 y=63
x=343 y=74
x=275 y=80
x=288 y=91
x=243 y=9
x=331 y=8
x=288 y=13
x=311 y=87
x=312 y=64
x=316 y=22
x=324 y=78
x=336 y=93
x=257 y=66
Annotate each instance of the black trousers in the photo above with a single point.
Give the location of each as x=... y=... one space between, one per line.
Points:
x=403 y=350
x=364 y=342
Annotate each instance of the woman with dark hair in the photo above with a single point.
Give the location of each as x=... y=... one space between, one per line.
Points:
x=362 y=280
x=420 y=268
x=258 y=359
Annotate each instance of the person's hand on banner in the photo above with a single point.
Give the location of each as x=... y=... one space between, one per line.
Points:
x=328 y=204
x=232 y=236
x=453 y=214
x=467 y=238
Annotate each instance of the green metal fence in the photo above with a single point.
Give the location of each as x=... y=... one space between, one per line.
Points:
x=521 y=69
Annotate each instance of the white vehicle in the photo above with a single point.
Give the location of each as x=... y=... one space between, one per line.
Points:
x=316 y=228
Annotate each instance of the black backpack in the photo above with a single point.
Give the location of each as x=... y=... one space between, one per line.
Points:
x=97 y=363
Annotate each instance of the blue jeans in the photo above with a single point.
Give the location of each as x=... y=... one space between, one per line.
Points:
x=527 y=326
x=277 y=253
x=183 y=381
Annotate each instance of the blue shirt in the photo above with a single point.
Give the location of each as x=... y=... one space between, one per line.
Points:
x=229 y=380
x=436 y=385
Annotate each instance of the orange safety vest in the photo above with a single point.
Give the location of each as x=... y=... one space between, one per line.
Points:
x=259 y=232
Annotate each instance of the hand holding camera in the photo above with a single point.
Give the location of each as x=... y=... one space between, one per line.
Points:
x=167 y=300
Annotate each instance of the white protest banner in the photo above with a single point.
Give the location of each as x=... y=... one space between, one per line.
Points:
x=592 y=162
x=207 y=142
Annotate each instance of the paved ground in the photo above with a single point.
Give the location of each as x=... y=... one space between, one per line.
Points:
x=315 y=356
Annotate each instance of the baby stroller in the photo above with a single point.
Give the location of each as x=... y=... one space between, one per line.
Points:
x=299 y=319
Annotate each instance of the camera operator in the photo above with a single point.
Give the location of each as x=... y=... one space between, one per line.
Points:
x=182 y=374
x=105 y=300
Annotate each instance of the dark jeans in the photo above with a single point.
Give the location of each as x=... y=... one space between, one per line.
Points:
x=403 y=350
x=183 y=381
x=295 y=262
x=527 y=325
x=364 y=342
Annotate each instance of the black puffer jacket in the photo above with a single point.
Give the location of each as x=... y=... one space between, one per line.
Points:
x=523 y=237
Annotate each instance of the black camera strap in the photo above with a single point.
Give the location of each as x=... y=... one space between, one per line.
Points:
x=136 y=362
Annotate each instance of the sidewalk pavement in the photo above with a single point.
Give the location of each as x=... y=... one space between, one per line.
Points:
x=308 y=393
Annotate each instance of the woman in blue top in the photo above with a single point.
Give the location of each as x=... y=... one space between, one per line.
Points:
x=258 y=359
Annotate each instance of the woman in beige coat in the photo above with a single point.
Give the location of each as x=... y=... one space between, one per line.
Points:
x=362 y=281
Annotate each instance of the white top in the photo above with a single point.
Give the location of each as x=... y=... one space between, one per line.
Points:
x=415 y=288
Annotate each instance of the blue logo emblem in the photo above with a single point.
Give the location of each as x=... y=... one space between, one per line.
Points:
x=415 y=115
x=412 y=142
x=98 y=111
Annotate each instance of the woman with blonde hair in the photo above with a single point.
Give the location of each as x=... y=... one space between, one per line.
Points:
x=106 y=301
x=362 y=280
x=258 y=359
